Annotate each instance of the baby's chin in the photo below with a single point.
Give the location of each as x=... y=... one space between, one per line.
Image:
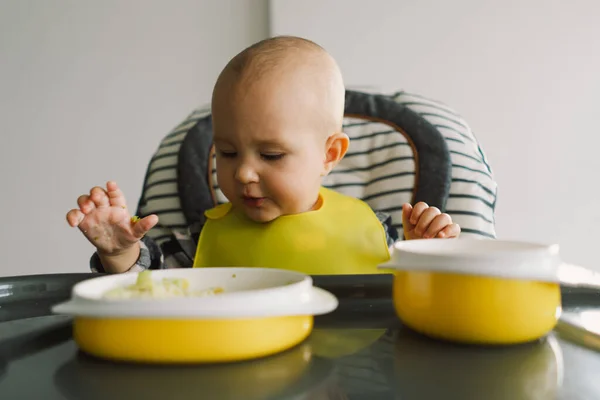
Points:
x=261 y=214
x=267 y=212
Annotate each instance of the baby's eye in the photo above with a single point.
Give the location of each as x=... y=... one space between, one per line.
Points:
x=227 y=154
x=272 y=157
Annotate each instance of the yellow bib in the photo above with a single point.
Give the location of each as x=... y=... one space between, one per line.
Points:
x=343 y=236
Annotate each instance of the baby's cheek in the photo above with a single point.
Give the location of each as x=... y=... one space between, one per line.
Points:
x=288 y=190
x=226 y=183
x=291 y=195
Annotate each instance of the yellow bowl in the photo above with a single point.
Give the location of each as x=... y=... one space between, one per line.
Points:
x=476 y=309
x=260 y=313
x=486 y=292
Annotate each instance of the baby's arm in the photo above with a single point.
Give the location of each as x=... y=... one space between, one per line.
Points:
x=177 y=252
x=150 y=256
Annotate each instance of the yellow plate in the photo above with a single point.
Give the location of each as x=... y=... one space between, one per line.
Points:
x=185 y=341
x=260 y=312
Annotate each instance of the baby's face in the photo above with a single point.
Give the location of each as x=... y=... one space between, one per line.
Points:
x=270 y=147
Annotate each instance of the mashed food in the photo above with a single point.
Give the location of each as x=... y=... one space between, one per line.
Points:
x=146 y=288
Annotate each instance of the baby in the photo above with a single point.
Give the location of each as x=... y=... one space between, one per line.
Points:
x=277 y=111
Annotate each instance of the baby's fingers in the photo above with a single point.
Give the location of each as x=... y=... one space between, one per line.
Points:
x=425 y=220
x=142 y=226
x=417 y=211
x=436 y=227
x=74 y=217
x=85 y=204
x=99 y=197
x=115 y=195
x=451 y=231
x=406 y=211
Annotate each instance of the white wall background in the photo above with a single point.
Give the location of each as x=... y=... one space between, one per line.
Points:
x=524 y=73
x=87 y=90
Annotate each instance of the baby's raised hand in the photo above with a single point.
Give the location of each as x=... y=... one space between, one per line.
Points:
x=424 y=222
x=103 y=219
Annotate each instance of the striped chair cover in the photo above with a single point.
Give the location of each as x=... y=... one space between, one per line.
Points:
x=379 y=168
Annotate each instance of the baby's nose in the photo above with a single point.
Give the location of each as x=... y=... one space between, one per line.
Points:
x=246 y=174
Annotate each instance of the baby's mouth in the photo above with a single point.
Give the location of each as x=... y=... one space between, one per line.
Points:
x=254 y=202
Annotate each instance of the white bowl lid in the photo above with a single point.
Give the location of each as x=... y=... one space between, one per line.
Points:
x=248 y=292
x=486 y=257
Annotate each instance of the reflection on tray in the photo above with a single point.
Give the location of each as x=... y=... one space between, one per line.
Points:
x=576 y=276
x=581 y=327
x=425 y=368
x=335 y=343
x=286 y=375
x=590 y=319
x=20 y=338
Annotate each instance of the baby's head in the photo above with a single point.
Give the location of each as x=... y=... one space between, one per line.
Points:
x=277 y=112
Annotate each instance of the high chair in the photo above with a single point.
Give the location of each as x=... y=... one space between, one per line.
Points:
x=403 y=148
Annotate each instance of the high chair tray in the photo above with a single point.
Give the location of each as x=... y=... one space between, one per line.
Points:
x=361 y=351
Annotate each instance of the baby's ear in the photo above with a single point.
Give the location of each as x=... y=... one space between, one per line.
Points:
x=335 y=149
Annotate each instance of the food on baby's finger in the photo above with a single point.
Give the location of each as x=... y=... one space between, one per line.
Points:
x=135 y=219
x=146 y=288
